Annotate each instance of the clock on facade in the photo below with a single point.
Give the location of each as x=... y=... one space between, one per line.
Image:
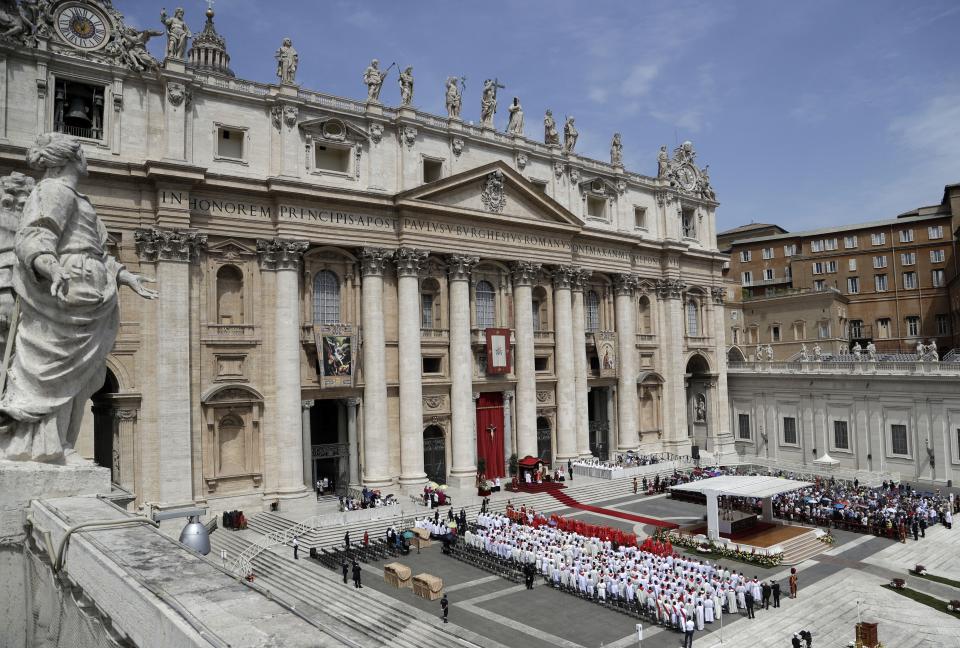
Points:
x=82 y=26
x=687 y=177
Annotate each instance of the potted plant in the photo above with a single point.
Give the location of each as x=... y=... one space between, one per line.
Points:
x=898 y=583
x=514 y=464
x=919 y=570
x=954 y=605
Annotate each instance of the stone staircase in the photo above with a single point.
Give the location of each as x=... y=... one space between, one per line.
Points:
x=798 y=549
x=371 y=619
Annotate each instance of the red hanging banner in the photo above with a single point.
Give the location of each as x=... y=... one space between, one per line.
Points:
x=498 y=351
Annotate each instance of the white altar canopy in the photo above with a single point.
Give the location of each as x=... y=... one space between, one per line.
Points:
x=763 y=487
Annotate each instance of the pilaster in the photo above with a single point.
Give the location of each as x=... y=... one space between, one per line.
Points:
x=308 y=478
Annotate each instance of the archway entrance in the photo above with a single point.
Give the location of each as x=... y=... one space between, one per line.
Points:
x=735 y=355
x=329 y=449
x=699 y=385
x=435 y=454
x=106 y=427
x=544 y=445
x=598 y=414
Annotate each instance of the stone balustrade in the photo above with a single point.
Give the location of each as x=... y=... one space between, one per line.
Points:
x=863 y=367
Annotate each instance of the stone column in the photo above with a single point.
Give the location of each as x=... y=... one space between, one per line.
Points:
x=409 y=265
x=624 y=285
x=308 y=479
x=582 y=416
x=463 y=417
x=507 y=429
x=376 y=458
x=172 y=251
x=524 y=274
x=723 y=443
x=563 y=277
x=353 y=445
x=282 y=257
x=670 y=293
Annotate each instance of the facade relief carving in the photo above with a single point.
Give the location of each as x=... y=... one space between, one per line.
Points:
x=493 y=196
x=456 y=145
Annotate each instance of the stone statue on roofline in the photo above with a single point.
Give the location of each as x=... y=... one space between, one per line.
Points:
x=177 y=33
x=488 y=102
x=570 y=135
x=663 y=162
x=66 y=287
x=857 y=351
x=871 y=351
x=550 y=135
x=616 y=151
x=15 y=188
x=287 y=62
x=515 y=123
x=454 y=96
x=803 y=353
x=817 y=353
x=373 y=77
x=406 y=86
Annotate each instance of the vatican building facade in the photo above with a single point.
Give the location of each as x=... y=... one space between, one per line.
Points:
x=370 y=294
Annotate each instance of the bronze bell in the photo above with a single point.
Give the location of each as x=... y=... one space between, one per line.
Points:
x=79 y=112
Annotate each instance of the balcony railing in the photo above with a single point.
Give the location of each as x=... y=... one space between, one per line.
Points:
x=231 y=331
x=427 y=334
x=766 y=282
x=862 y=367
x=543 y=337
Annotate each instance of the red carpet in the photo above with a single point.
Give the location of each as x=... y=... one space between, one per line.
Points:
x=572 y=503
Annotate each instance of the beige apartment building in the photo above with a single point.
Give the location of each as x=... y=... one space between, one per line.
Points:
x=891 y=282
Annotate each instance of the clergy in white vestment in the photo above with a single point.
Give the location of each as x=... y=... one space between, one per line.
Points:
x=701 y=612
x=708 y=610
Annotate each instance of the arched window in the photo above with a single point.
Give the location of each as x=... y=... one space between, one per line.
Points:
x=593 y=311
x=326 y=298
x=229 y=295
x=486 y=311
x=645 y=318
x=232 y=445
x=693 y=320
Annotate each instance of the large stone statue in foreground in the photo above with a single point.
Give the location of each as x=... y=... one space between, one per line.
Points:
x=66 y=286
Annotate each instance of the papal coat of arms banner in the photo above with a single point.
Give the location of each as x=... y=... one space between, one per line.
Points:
x=498 y=351
x=335 y=346
x=605 y=343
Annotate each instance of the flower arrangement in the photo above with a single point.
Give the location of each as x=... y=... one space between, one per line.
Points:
x=827 y=538
x=721 y=551
x=954 y=605
x=898 y=583
x=919 y=570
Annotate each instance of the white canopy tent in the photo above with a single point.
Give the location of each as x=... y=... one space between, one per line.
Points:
x=826 y=460
x=763 y=487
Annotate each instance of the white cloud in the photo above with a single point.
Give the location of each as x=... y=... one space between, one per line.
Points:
x=598 y=95
x=640 y=79
x=934 y=130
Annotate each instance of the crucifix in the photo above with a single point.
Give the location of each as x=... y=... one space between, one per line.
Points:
x=491 y=429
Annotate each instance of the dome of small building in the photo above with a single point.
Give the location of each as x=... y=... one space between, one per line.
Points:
x=209 y=50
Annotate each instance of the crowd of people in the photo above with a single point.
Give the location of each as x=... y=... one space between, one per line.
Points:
x=435 y=496
x=368 y=499
x=891 y=510
x=672 y=590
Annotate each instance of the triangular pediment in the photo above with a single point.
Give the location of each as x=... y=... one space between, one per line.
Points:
x=493 y=189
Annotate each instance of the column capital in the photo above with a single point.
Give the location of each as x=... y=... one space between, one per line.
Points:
x=564 y=276
x=352 y=402
x=508 y=396
x=476 y=395
x=460 y=266
x=373 y=261
x=624 y=284
x=307 y=404
x=410 y=261
x=280 y=254
x=579 y=279
x=670 y=288
x=126 y=414
x=169 y=245
x=524 y=273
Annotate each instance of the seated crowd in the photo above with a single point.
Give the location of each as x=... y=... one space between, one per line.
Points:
x=605 y=564
x=368 y=499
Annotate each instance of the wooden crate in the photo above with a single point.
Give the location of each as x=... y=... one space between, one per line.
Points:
x=428 y=586
x=397 y=574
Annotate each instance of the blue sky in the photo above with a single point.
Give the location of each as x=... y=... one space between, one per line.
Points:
x=810 y=113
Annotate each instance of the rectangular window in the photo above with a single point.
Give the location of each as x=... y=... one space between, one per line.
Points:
x=541 y=364
x=818 y=267
x=852 y=265
x=935 y=232
x=936 y=256
x=906 y=236
x=789 y=250
x=943 y=325
x=841 y=439
x=597 y=208
x=853 y=285
x=823 y=330
x=909 y=280
x=831 y=266
x=768 y=274
x=819 y=285
x=432 y=170
x=775 y=333
x=746 y=278
x=426 y=310
x=880 y=261
x=883 y=327
x=432 y=365
x=816 y=246
x=908 y=258
x=745 y=255
x=743 y=426
x=640 y=217
x=768 y=253
x=789 y=430
x=78 y=109
x=849 y=242
x=913 y=326
x=332 y=158
x=939 y=279
x=830 y=244
x=880 y=283
x=878 y=238
x=856 y=329
x=689 y=221
x=898 y=440
x=230 y=143
x=787 y=273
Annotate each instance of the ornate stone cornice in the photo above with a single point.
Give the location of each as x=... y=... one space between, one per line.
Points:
x=460 y=266
x=625 y=284
x=373 y=261
x=280 y=254
x=670 y=288
x=169 y=245
x=718 y=294
x=580 y=278
x=565 y=276
x=410 y=261
x=524 y=273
